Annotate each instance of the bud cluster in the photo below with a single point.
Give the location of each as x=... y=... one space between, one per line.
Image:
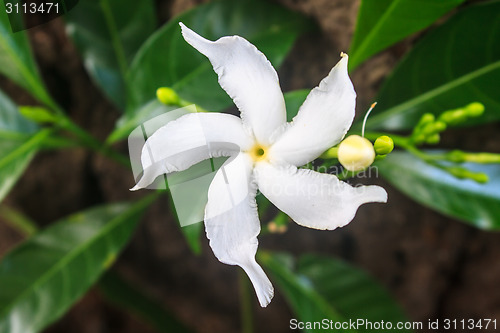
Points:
x=429 y=127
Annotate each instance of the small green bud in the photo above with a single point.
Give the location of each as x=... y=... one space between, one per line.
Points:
x=167 y=96
x=453 y=117
x=475 y=109
x=483 y=158
x=481 y=178
x=456 y=156
x=439 y=126
x=433 y=128
x=433 y=139
x=427 y=118
x=37 y=114
x=383 y=145
x=380 y=157
x=463 y=173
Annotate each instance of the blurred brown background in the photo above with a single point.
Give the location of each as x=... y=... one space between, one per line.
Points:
x=434 y=266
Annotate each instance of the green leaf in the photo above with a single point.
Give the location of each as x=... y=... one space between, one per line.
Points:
x=18 y=144
x=166 y=60
x=454 y=65
x=17 y=61
x=382 y=23
x=293 y=101
x=53 y=269
x=464 y=199
x=11 y=121
x=108 y=33
x=129 y=121
x=192 y=234
x=15 y=158
x=128 y=297
x=318 y=287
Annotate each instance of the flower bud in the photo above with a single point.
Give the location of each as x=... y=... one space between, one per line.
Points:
x=383 y=145
x=356 y=153
x=37 y=114
x=427 y=118
x=167 y=96
x=433 y=139
x=439 y=126
x=456 y=156
x=453 y=117
x=474 y=109
x=463 y=173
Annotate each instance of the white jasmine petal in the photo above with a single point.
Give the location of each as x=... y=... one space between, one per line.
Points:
x=312 y=199
x=248 y=78
x=322 y=121
x=232 y=222
x=191 y=139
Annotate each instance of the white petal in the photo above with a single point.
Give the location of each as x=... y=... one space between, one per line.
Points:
x=313 y=199
x=322 y=121
x=232 y=223
x=188 y=140
x=248 y=78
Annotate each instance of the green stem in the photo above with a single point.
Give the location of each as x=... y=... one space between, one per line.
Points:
x=18 y=221
x=91 y=142
x=246 y=302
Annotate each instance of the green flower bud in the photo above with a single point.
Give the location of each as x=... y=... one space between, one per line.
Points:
x=463 y=173
x=383 y=145
x=481 y=178
x=475 y=109
x=453 y=117
x=433 y=139
x=427 y=118
x=356 y=153
x=439 y=126
x=167 y=96
x=456 y=156
x=37 y=114
x=483 y=158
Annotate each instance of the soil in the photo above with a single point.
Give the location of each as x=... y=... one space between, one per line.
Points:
x=435 y=266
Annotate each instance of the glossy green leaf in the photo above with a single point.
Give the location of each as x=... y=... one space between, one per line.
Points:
x=11 y=122
x=382 y=23
x=128 y=297
x=17 y=61
x=318 y=287
x=166 y=60
x=129 y=121
x=15 y=157
x=45 y=275
x=429 y=185
x=108 y=33
x=454 y=65
x=18 y=144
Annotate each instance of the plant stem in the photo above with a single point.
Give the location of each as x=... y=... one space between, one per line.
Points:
x=18 y=221
x=246 y=302
x=92 y=143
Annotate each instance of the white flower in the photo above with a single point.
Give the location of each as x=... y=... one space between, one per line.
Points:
x=264 y=152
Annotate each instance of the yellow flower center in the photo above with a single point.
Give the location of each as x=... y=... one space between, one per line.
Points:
x=258 y=153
